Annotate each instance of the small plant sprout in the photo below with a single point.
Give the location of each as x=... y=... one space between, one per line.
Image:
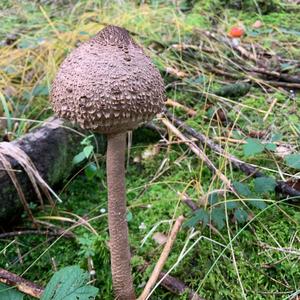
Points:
x=108 y=85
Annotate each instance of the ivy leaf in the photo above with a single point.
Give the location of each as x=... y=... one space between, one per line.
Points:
x=200 y=215
x=87 y=150
x=9 y=293
x=293 y=160
x=260 y=204
x=264 y=184
x=253 y=146
x=242 y=189
x=69 y=283
x=218 y=217
x=79 y=158
x=241 y=215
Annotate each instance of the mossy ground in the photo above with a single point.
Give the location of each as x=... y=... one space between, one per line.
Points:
x=253 y=260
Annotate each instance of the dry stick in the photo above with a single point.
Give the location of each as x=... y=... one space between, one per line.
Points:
x=162 y=259
x=23 y=285
x=177 y=287
x=198 y=152
x=37 y=232
x=278 y=75
x=281 y=186
x=188 y=110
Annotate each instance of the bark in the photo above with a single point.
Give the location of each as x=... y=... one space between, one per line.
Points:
x=117 y=223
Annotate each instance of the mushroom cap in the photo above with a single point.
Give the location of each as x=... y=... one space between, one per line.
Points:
x=108 y=84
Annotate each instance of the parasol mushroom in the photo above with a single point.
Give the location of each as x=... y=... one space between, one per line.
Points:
x=108 y=85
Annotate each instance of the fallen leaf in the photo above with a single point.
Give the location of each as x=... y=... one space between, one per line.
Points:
x=284 y=150
x=160 y=238
x=257 y=24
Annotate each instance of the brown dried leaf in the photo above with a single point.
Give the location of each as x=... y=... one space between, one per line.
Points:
x=160 y=238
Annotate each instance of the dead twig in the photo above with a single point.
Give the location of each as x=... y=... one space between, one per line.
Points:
x=198 y=152
x=21 y=284
x=37 y=232
x=162 y=259
x=248 y=169
x=177 y=287
x=176 y=104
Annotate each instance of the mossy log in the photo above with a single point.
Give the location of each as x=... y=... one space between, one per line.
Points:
x=51 y=148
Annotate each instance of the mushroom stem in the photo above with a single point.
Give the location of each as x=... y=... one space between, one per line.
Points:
x=117 y=223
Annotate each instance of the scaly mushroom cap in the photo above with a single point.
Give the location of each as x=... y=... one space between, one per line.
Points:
x=108 y=84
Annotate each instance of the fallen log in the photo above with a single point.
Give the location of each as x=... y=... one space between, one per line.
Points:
x=51 y=148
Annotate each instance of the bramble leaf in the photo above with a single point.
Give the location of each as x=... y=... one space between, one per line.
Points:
x=69 y=283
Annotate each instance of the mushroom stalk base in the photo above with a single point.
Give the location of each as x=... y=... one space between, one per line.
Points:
x=117 y=223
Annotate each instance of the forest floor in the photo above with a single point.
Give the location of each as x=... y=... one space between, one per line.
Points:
x=241 y=244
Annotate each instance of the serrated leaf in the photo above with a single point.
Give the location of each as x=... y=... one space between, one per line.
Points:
x=264 y=184
x=78 y=158
x=87 y=150
x=241 y=215
x=260 y=204
x=293 y=160
x=200 y=215
x=242 y=189
x=9 y=293
x=218 y=217
x=69 y=283
x=270 y=147
x=253 y=146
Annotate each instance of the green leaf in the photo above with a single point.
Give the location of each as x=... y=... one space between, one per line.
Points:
x=276 y=137
x=69 y=283
x=231 y=204
x=218 y=217
x=40 y=90
x=264 y=184
x=242 y=189
x=293 y=160
x=241 y=215
x=253 y=146
x=129 y=216
x=90 y=171
x=79 y=158
x=200 y=215
x=260 y=204
x=87 y=150
x=9 y=293
x=87 y=140
x=212 y=198
x=270 y=147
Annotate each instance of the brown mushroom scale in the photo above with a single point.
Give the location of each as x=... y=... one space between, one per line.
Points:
x=108 y=85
